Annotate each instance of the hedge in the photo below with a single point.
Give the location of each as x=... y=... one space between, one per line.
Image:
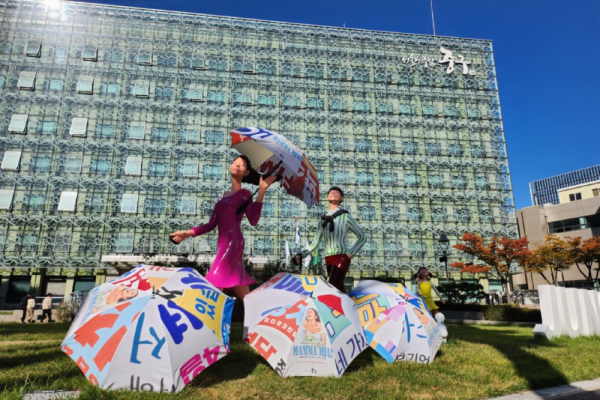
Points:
x=504 y=313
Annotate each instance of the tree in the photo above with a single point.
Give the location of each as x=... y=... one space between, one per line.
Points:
x=549 y=259
x=586 y=253
x=462 y=292
x=499 y=254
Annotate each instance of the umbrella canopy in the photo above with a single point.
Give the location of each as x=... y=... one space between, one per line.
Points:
x=153 y=329
x=272 y=153
x=303 y=326
x=397 y=323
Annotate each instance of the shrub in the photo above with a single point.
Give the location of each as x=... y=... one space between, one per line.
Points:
x=66 y=312
x=462 y=292
x=504 y=313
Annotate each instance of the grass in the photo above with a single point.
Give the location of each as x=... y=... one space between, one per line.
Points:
x=478 y=362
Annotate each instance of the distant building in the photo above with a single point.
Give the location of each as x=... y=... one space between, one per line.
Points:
x=545 y=190
x=577 y=214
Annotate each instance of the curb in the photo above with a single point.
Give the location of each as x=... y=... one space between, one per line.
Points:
x=575 y=390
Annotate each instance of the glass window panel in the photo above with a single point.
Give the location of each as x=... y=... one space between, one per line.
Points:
x=145 y=57
x=11 y=160
x=33 y=49
x=154 y=206
x=48 y=127
x=62 y=243
x=192 y=135
x=67 y=201
x=18 y=123
x=105 y=130
x=90 y=53
x=85 y=85
x=78 y=127
x=190 y=168
x=133 y=165
x=56 y=84
x=188 y=205
x=35 y=201
x=137 y=130
x=42 y=164
x=195 y=93
x=26 y=80
x=100 y=166
x=6 y=196
x=212 y=171
x=141 y=91
x=214 y=137
x=158 y=168
x=73 y=163
x=124 y=243
x=129 y=203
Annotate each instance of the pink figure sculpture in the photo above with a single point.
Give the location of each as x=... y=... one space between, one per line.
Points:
x=228 y=270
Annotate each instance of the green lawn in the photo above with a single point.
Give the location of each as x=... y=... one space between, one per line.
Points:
x=477 y=362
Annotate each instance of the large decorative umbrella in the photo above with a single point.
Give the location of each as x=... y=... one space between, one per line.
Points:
x=274 y=154
x=153 y=329
x=397 y=323
x=303 y=326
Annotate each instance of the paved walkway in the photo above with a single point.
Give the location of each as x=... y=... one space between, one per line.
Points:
x=586 y=390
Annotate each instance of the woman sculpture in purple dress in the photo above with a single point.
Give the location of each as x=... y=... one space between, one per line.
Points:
x=227 y=271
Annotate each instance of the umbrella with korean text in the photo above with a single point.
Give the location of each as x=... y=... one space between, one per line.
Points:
x=273 y=154
x=303 y=328
x=152 y=329
x=396 y=322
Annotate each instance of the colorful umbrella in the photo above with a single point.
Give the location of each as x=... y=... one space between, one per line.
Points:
x=397 y=323
x=303 y=326
x=152 y=329
x=272 y=153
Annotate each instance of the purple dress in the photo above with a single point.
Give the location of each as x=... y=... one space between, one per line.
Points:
x=228 y=269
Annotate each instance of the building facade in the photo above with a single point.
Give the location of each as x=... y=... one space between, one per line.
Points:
x=545 y=191
x=114 y=131
x=578 y=214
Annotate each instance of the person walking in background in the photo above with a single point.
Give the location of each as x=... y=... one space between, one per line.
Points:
x=24 y=301
x=30 y=307
x=47 y=308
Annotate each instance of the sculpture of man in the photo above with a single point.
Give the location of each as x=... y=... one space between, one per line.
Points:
x=333 y=228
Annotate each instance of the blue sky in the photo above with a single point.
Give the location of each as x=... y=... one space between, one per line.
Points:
x=547 y=58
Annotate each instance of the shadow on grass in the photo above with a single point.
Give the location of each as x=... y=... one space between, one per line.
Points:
x=35 y=354
x=537 y=371
x=16 y=331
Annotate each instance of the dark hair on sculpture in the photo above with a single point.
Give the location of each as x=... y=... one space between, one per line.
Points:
x=253 y=176
x=336 y=189
x=418 y=274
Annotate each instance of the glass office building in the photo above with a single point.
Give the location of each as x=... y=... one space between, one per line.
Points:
x=545 y=191
x=114 y=131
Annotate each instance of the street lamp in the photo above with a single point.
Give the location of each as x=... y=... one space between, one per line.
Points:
x=445 y=242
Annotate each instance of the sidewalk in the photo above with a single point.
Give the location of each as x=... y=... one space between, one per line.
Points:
x=586 y=390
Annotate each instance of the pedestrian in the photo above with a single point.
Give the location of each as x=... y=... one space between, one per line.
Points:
x=30 y=307
x=47 y=308
x=24 y=301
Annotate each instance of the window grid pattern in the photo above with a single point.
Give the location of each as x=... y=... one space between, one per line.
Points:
x=103 y=86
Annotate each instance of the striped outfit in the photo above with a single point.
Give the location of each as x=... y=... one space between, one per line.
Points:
x=336 y=260
x=335 y=242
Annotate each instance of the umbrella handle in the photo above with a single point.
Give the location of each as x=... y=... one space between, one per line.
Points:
x=265 y=175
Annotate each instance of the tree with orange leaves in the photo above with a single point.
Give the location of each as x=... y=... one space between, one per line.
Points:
x=586 y=253
x=551 y=257
x=498 y=255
